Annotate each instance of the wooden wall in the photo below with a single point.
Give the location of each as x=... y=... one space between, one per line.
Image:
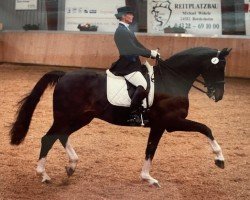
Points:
x=99 y=51
x=1 y=47
x=66 y=49
x=238 y=62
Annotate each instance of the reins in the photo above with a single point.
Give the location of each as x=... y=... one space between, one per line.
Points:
x=199 y=89
x=157 y=62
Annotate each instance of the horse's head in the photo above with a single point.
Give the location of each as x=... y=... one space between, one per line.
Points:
x=214 y=74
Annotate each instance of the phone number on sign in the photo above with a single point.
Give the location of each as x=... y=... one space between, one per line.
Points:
x=207 y=26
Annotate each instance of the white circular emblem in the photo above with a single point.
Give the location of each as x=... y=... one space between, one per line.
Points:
x=215 y=60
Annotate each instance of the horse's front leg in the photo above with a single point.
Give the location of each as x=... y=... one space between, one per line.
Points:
x=189 y=125
x=219 y=158
x=153 y=141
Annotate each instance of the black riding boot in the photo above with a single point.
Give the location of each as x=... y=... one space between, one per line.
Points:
x=136 y=101
x=136 y=106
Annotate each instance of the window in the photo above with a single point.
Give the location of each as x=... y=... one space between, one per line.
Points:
x=221 y=17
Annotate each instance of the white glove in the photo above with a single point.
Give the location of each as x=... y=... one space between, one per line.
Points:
x=154 y=53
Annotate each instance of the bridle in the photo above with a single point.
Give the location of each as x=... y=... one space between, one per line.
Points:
x=209 y=86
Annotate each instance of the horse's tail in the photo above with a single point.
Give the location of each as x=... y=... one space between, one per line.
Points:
x=28 y=104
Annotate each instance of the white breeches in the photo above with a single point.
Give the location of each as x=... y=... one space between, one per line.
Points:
x=136 y=78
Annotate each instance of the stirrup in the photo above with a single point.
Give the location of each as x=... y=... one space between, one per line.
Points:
x=144 y=117
x=139 y=117
x=134 y=120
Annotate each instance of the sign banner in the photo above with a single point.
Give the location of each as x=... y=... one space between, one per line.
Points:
x=247 y=16
x=93 y=12
x=26 y=5
x=196 y=17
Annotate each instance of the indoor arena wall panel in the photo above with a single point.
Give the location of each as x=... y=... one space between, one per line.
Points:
x=1 y=48
x=96 y=50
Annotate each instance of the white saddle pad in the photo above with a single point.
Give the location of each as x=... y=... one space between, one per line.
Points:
x=117 y=92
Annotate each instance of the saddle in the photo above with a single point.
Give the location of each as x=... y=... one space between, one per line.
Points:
x=120 y=91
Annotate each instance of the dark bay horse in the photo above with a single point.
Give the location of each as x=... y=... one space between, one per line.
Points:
x=79 y=96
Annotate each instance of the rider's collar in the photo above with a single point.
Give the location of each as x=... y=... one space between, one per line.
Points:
x=125 y=24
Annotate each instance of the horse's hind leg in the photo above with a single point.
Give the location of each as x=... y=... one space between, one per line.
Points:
x=73 y=158
x=76 y=124
x=47 y=142
x=57 y=131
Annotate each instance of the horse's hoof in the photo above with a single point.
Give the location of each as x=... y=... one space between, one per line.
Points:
x=46 y=181
x=44 y=176
x=220 y=164
x=69 y=171
x=152 y=182
x=156 y=184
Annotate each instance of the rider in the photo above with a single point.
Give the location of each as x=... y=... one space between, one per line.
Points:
x=128 y=65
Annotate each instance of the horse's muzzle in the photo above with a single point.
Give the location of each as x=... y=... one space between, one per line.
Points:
x=219 y=92
x=216 y=92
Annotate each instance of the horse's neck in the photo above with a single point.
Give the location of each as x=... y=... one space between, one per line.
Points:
x=175 y=82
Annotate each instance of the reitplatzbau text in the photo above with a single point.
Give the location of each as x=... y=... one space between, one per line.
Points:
x=196 y=6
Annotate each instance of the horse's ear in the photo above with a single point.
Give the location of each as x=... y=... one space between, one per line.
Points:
x=228 y=50
x=224 y=52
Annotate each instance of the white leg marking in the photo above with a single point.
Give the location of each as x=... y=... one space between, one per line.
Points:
x=41 y=170
x=217 y=150
x=73 y=158
x=41 y=166
x=145 y=173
